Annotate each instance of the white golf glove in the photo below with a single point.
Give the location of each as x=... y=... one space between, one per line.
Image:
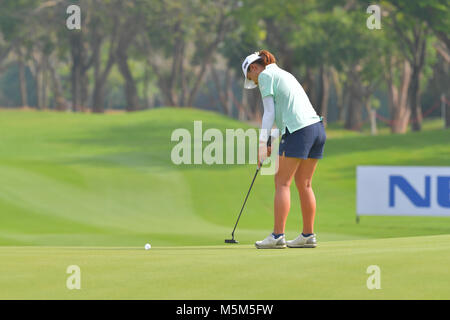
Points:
x=263 y=152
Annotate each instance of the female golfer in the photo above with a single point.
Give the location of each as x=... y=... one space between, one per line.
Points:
x=302 y=144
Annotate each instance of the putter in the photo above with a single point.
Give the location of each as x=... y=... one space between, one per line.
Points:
x=232 y=240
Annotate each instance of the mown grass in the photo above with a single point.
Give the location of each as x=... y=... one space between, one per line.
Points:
x=85 y=179
x=91 y=190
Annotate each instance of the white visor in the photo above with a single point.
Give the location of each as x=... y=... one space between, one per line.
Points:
x=249 y=84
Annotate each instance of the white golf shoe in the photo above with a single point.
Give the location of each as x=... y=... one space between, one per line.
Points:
x=271 y=243
x=303 y=242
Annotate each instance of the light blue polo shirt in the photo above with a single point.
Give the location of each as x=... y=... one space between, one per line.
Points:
x=292 y=106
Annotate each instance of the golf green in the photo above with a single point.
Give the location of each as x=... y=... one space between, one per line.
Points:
x=92 y=190
x=409 y=268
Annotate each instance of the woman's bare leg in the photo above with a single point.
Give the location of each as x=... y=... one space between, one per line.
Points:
x=303 y=181
x=283 y=178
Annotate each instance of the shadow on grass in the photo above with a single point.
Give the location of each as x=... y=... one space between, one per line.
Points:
x=405 y=142
x=140 y=145
x=149 y=144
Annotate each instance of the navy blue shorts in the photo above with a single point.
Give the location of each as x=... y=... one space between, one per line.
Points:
x=307 y=142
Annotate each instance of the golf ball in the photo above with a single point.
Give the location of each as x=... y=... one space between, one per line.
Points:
x=148 y=246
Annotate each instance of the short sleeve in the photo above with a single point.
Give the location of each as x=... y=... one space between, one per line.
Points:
x=265 y=83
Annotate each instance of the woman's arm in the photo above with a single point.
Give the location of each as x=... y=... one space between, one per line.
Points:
x=268 y=119
x=266 y=128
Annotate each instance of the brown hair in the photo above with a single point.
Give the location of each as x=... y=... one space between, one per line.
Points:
x=265 y=58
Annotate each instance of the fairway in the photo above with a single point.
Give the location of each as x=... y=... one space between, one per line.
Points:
x=91 y=191
x=411 y=268
x=90 y=180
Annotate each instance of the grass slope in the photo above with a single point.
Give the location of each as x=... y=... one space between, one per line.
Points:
x=91 y=190
x=94 y=180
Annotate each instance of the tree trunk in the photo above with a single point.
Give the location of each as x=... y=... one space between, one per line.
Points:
x=98 y=99
x=229 y=91
x=373 y=118
x=221 y=91
x=148 y=103
x=38 y=90
x=101 y=76
x=414 y=89
x=4 y=52
x=345 y=101
x=44 y=83
x=373 y=122
x=414 y=50
x=447 y=116
x=162 y=83
x=36 y=70
x=127 y=34
x=311 y=88
x=184 y=86
x=307 y=83
x=130 y=84
x=324 y=93
x=356 y=101
x=354 y=115
x=255 y=105
x=243 y=111
x=398 y=97
x=445 y=111
x=414 y=96
x=340 y=90
x=76 y=48
x=60 y=101
x=22 y=79
x=84 y=90
x=75 y=80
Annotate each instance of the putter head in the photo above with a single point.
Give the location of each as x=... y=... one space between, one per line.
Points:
x=231 y=241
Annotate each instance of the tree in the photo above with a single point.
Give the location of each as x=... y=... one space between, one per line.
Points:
x=413 y=45
x=182 y=60
x=5 y=49
x=413 y=25
x=435 y=13
x=16 y=33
